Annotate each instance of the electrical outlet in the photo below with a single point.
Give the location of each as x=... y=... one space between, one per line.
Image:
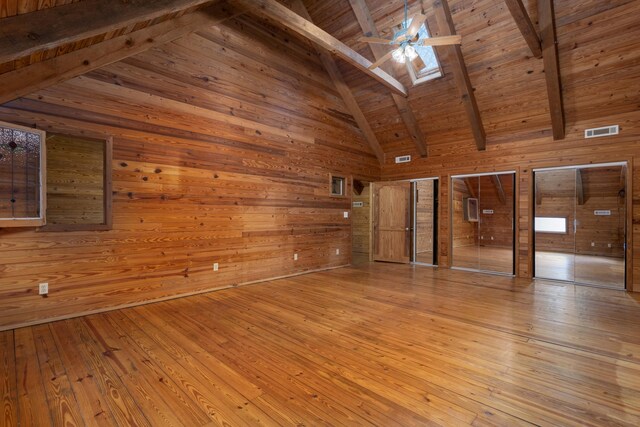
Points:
x=215 y=266
x=609 y=245
x=43 y=289
x=337 y=251
x=593 y=244
x=295 y=257
x=346 y=214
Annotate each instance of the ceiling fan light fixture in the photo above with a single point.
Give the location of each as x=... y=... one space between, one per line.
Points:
x=410 y=52
x=398 y=55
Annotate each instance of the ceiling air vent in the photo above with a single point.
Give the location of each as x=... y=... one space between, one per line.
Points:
x=598 y=132
x=403 y=159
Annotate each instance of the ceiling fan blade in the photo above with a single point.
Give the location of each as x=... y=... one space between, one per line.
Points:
x=441 y=41
x=382 y=60
x=416 y=22
x=378 y=40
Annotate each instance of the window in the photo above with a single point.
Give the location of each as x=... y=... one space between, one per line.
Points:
x=337 y=186
x=22 y=187
x=550 y=225
x=78 y=183
x=426 y=66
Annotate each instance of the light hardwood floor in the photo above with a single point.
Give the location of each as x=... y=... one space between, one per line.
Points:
x=486 y=258
x=377 y=344
x=588 y=269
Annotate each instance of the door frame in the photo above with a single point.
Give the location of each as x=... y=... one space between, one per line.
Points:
x=628 y=229
x=414 y=217
x=514 y=225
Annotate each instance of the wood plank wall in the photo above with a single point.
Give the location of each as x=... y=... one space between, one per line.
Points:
x=496 y=229
x=424 y=216
x=223 y=146
x=360 y=221
x=599 y=48
x=465 y=233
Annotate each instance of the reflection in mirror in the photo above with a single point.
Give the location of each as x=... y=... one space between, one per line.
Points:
x=590 y=250
x=496 y=202
x=464 y=226
x=425 y=221
x=482 y=222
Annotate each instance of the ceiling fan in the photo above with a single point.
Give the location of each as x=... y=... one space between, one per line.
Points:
x=406 y=38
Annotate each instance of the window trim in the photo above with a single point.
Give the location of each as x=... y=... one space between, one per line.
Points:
x=107 y=195
x=343 y=188
x=40 y=220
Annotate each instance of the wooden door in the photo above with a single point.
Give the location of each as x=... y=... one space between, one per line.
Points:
x=391 y=221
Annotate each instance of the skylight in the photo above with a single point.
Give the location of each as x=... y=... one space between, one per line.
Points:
x=426 y=66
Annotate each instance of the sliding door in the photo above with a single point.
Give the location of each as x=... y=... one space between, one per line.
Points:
x=482 y=222
x=580 y=224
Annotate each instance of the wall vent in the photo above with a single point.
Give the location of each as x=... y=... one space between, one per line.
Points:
x=604 y=131
x=403 y=159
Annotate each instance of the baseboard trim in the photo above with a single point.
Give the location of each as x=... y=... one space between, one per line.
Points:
x=156 y=300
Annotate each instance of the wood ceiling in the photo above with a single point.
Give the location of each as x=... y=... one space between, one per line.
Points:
x=495 y=87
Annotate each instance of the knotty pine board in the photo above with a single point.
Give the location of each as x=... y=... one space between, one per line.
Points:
x=599 y=49
x=233 y=168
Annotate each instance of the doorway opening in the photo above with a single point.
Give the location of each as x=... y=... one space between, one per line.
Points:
x=580 y=224
x=483 y=222
x=405 y=221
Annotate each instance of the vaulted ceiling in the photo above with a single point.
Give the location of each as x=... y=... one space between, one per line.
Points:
x=505 y=94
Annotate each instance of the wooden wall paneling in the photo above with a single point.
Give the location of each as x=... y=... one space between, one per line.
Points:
x=360 y=220
x=631 y=277
x=525 y=209
x=338 y=81
x=193 y=182
x=496 y=229
x=55 y=27
x=424 y=216
x=523 y=21
x=21 y=82
x=461 y=75
x=464 y=233
x=271 y=9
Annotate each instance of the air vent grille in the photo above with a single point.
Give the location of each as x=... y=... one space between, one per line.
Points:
x=603 y=131
x=403 y=159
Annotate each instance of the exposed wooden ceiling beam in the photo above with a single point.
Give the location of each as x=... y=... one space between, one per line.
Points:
x=495 y=179
x=470 y=189
x=445 y=25
x=523 y=21
x=274 y=11
x=43 y=74
x=368 y=26
x=22 y=35
x=336 y=77
x=546 y=20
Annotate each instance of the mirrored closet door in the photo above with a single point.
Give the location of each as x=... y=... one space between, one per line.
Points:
x=580 y=224
x=482 y=222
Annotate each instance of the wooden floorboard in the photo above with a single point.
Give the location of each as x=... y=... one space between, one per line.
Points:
x=374 y=344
